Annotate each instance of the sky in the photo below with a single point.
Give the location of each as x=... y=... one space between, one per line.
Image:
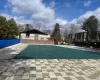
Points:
x=49 y=12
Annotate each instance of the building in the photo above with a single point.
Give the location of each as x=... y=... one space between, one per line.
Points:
x=35 y=36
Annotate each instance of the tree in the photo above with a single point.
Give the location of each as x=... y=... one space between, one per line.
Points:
x=70 y=29
x=3 y=30
x=27 y=28
x=2 y=20
x=74 y=28
x=21 y=27
x=65 y=34
x=8 y=29
x=56 y=34
x=12 y=31
x=90 y=24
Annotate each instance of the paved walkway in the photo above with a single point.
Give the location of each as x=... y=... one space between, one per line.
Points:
x=46 y=69
x=50 y=69
x=11 y=51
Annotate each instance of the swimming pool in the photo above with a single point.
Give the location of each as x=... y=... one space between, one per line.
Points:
x=55 y=52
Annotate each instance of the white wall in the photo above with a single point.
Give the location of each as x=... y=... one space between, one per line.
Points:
x=35 y=37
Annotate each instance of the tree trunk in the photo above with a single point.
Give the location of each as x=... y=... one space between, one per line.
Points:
x=55 y=41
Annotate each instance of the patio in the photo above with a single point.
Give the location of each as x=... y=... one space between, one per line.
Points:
x=46 y=69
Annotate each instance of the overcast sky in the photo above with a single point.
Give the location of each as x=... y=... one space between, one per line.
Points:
x=49 y=12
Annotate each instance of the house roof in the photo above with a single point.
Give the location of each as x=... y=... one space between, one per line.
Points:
x=34 y=31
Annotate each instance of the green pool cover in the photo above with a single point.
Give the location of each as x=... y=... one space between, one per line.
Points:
x=55 y=52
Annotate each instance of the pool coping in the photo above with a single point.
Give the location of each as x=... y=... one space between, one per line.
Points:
x=15 y=52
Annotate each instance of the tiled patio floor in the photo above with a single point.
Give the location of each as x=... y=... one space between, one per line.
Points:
x=46 y=69
x=50 y=69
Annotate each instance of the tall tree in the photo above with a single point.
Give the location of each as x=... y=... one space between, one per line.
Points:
x=90 y=24
x=56 y=34
x=8 y=29
x=27 y=27
x=2 y=20
x=3 y=30
x=12 y=29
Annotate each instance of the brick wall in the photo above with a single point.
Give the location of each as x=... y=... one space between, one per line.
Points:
x=37 y=41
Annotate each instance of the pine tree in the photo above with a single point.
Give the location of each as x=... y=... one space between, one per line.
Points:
x=90 y=24
x=56 y=34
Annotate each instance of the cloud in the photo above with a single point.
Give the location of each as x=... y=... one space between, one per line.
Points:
x=39 y=12
x=87 y=15
x=19 y=20
x=22 y=20
x=45 y=16
x=36 y=8
x=60 y=21
x=83 y=17
x=66 y=26
x=87 y=3
x=52 y=5
x=6 y=15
